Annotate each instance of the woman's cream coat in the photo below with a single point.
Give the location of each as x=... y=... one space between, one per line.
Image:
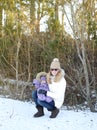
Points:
x=57 y=91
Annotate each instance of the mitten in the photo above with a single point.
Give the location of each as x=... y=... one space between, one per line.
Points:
x=42 y=92
x=36 y=83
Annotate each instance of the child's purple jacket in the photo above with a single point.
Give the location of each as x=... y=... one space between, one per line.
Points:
x=43 y=86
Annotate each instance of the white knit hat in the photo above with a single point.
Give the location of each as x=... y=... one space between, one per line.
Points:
x=55 y=64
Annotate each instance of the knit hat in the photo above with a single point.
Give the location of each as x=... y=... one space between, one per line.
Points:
x=43 y=78
x=55 y=64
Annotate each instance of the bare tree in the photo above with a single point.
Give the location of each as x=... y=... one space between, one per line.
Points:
x=80 y=37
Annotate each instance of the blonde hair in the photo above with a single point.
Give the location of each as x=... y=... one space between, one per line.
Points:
x=57 y=77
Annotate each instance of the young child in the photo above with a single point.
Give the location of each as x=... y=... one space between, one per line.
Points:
x=40 y=84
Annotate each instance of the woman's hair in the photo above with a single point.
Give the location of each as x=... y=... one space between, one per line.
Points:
x=57 y=78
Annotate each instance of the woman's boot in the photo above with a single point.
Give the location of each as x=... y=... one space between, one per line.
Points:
x=40 y=111
x=54 y=113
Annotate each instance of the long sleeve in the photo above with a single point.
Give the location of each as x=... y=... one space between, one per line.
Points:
x=57 y=92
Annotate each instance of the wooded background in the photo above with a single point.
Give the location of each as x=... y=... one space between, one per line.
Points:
x=25 y=50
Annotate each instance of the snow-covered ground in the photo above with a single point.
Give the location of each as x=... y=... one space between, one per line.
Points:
x=18 y=115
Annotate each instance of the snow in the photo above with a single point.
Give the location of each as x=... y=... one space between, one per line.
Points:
x=18 y=115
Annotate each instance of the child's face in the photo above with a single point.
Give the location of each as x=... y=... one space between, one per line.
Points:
x=43 y=81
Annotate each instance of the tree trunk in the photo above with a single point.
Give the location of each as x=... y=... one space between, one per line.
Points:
x=79 y=38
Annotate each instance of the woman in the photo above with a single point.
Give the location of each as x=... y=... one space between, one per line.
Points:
x=57 y=87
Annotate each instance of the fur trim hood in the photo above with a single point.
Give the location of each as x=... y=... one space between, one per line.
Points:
x=40 y=74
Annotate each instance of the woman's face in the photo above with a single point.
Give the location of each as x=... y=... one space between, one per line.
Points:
x=54 y=71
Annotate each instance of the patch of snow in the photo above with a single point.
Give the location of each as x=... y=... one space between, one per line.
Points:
x=18 y=115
